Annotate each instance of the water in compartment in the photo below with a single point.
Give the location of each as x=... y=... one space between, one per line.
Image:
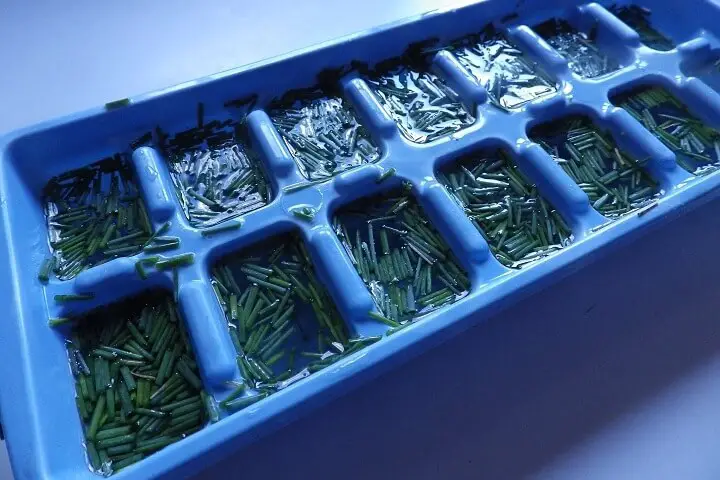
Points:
x=614 y=181
x=282 y=321
x=584 y=57
x=638 y=18
x=696 y=146
x=510 y=77
x=322 y=133
x=422 y=104
x=506 y=208
x=216 y=175
x=137 y=384
x=94 y=214
x=406 y=265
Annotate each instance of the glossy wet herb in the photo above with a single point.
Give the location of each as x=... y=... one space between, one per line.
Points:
x=638 y=18
x=137 y=383
x=216 y=176
x=696 y=146
x=322 y=134
x=424 y=107
x=282 y=321
x=406 y=265
x=584 y=57
x=510 y=77
x=518 y=224
x=615 y=183
x=94 y=214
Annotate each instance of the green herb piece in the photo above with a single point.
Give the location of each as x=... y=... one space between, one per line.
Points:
x=208 y=232
x=177 y=261
x=304 y=213
x=123 y=102
x=385 y=175
x=73 y=297
x=56 y=322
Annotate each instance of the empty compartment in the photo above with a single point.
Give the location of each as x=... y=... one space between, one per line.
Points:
x=215 y=173
x=510 y=77
x=406 y=265
x=281 y=319
x=422 y=104
x=638 y=18
x=615 y=182
x=696 y=146
x=94 y=214
x=137 y=384
x=518 y=224
x=322 y=133
x=584 y=56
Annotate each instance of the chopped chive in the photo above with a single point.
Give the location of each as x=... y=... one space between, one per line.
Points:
x=207 y=232
x=176 y=261
x=73 y=297
x=56 y=322
x=383 y=319
x=304 y=213
x=123 y=102
x=386 y=174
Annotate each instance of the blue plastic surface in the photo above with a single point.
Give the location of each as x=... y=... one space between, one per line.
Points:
x=37 y=392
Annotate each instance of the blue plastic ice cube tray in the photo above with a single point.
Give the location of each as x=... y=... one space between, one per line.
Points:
x=510 y=120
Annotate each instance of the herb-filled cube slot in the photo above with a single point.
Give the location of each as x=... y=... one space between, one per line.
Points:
x=584 y=57
x=94 y=214
x=615 y=182
x=322 y=133
x=510 y=77
x=216 y=175
x=282 y=321
x=406 y=265
x=638 y=18
x=422 y=104
x=518 y=224
x=137 y=384
x=696 y=146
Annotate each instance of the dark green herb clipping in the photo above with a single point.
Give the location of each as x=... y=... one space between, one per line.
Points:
x=638 y=18
x=215 y=174
x=518 y=224
x=615 y=183
x=94 y=214
x=422 y=104
x=282 y=321
x=322 y=133
x=510 y=77
x=137 y=384
x=696 y=146
x=406 y=265
x=583 y=55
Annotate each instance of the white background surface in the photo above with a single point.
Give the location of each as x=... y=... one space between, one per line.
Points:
x=60 y=57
